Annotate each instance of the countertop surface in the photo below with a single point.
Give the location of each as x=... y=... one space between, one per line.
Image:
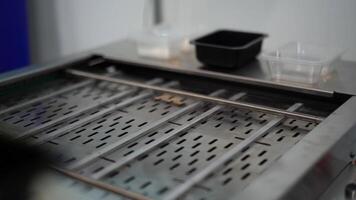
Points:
x=341 y=80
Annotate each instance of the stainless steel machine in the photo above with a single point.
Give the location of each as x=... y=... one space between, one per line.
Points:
x=135 y=129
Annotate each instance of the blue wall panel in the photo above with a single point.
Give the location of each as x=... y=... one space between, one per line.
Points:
x=14 y=47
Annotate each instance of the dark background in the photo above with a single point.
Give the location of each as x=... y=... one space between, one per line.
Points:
x=14 y=47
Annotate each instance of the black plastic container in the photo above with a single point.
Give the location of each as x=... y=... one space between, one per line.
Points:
x=226 y=48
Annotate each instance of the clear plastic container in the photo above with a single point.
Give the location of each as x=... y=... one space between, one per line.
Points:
x=303 y=63
x=160 y=37
x=161 y=43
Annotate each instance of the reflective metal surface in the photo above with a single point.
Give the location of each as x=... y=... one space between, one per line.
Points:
x=343 y=188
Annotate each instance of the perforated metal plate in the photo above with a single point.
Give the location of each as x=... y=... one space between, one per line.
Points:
x=42 y=112
x=158 y=171
x=97 y=134
x=99 y=124
x=51 y=86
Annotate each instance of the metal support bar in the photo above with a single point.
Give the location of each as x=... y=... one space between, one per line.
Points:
x=133 y=136
x=101 y=185
x=64 y=90
x=222 y=101
x=122 y=161
x=95 y=116
x=234 y=152
x=81 y=111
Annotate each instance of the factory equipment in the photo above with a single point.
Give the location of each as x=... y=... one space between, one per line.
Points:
x=130 y=130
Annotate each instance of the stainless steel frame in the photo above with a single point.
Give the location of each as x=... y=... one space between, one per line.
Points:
x=303 y=172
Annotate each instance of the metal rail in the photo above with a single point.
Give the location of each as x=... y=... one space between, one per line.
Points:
x=81 y=111
x=122 y=161
x=222 y=101
x=133 y=136
x=101 y=185
x=234 y=152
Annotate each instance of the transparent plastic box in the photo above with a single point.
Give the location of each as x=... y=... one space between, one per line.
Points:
x=161 y=36
x=303 y=63
x=160 y=43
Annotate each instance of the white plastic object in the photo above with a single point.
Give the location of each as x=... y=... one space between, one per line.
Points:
x=160 y=43
x=160 y=37
x=303 y=63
